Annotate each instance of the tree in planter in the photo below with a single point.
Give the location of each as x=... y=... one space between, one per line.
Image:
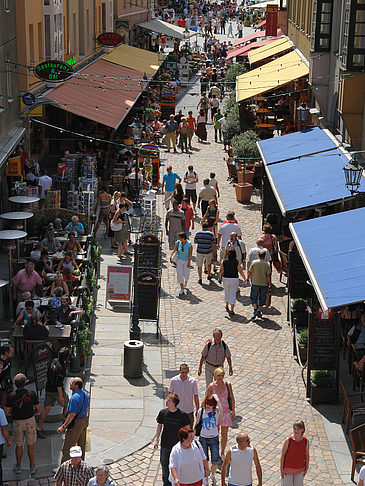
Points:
x=299 y=312
x=229 y=103
x=149 y=115
x=232 y=126
x=299 y=305
x=232 y=72
x=84 y=338
x=323 y=389
x=244 y=146
x=303 y=337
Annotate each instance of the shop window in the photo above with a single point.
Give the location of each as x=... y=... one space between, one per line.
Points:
x=322 y=25
x=353 y=41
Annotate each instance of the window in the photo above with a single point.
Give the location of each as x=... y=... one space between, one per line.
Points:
x=353 y=42
x=31 y=43
x=74 y=33
x=322 y=25
x=8 y=80
x=40 y=40
x=6 y=6
x=46 y=2
x=88 y=27
x=103 y=17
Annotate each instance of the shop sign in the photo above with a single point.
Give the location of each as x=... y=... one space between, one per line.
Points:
x=28 y=98
x=35 y=110
x=70 y=59
x=109 y=39
x=14 y=167
x=271 y=27
x=122 y=24
x=54 y=71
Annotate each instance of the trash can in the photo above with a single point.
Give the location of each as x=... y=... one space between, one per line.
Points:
x=133 y=359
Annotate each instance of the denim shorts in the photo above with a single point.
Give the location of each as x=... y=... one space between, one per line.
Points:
x=211 y=443
x=258 y=294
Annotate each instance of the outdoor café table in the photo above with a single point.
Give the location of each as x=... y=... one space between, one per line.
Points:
x=55 y=334
x=23 y=199
x=16 y=216
x=81 y=239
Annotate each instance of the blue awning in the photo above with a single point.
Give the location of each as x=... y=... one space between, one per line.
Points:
x=297 y=144
x=305 y=169
x=333 y=251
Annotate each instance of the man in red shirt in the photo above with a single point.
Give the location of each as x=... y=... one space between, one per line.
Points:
x=189 y=215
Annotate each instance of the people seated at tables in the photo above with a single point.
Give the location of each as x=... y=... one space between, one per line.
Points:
x=35 y=254
x=67 y=262
x=71 y=244
x=46 y=262
x=66 y=313
x=76 y=226
x=36 y=331
x=51 y=243
x=28 y=315
x=59 y=283
x=26 y=280
x=25 y=297
x=356 y=334
x=57 y=227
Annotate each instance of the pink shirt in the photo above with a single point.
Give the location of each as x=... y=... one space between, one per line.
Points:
x=26 y=283
x=185 y=390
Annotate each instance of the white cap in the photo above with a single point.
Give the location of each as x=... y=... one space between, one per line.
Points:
x=75 y=451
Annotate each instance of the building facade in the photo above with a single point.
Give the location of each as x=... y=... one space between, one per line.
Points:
x=11 y=132
x=127 y=15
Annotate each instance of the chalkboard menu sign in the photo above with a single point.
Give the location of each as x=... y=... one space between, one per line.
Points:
x=147 y=289
x=323 y=342
x=298 y=276
x=41 y=358
x=149 y=253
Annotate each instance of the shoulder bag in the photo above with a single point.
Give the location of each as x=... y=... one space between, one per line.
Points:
x=115 y=225
x=229 y=397
x=198 y=427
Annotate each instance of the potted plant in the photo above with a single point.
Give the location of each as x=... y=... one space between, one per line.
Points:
x=303 y=345
x=83 y=342
x=245 y=148
x=323 y=389
x=299 y=312
x=149 y=114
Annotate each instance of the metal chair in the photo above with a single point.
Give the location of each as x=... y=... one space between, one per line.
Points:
x=351 y=409
x=284 y=265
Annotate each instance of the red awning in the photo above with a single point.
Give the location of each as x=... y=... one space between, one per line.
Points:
x=254 y=35
x=102 y=92
x=261 y=24
x=244 y=50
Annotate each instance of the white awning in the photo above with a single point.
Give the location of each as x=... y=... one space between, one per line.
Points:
x=171 y=30
x=9 y=143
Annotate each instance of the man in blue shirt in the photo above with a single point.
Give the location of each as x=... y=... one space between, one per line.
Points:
x=78 y=414
x=205 y=241
x=168 y=183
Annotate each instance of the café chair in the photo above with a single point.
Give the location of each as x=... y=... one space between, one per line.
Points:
x=351 y=409
x=284 y=265
x=357 y=436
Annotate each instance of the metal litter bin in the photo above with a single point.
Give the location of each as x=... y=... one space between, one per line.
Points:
x=133 y=359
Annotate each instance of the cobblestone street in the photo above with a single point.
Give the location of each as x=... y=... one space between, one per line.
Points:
x=267 y=381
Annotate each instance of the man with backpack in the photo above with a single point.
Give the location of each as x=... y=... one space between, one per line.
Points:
x=214 y=354
x=190 y=179
x=54 y=388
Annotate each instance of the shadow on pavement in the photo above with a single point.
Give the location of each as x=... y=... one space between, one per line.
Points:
x=266 y=323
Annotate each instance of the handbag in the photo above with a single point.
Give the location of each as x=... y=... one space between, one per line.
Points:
x=71 y=425
x=229 y=398
x=174 y=257
x=88 y=440
x=198 y=427
x=275 y=254
x=268 y=298
x=115 y=226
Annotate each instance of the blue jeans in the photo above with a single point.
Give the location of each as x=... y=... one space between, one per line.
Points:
x=258 y=294
x=211 y=443
x=164 y=461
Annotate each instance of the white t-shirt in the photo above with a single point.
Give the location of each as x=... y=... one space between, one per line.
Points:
x=191 y=180
x=209 y=424
x=3 y=422
x=214 y=103
x=190 y=466
x=226 y=229
x=45 y=182
x=362 y=473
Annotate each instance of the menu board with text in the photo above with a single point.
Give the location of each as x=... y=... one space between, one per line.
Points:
x=118 y=287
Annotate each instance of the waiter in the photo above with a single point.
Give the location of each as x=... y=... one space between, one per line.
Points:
x=77 y=415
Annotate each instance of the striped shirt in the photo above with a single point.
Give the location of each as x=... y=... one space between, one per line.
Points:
x=204 y=240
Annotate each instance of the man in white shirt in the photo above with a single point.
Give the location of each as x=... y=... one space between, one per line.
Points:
x=224 y=233
x=190 y=179
x=253 y=254
x=45 y=184
x=239 y=247
x=186 y=388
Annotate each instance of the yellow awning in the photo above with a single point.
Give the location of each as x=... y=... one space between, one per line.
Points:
x=270 y=50
x=131 y=57
x=271 y=75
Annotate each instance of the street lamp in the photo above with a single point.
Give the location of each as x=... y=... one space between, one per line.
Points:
x=353 y=174
x=136 y=128
x=302 y=113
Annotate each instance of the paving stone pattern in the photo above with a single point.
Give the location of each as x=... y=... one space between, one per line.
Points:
x=267 y=381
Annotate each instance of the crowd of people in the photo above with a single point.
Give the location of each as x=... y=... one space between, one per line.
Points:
x=185 y=461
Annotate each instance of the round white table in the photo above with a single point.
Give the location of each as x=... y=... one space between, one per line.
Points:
x=12 y=235
x=17 y=215
x=23 y=199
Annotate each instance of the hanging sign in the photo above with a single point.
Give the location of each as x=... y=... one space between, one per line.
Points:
x=109 y=39
x=14 y=167
x=271 y=27
x=28 y=98
x=55 y=71
x=41 y=358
